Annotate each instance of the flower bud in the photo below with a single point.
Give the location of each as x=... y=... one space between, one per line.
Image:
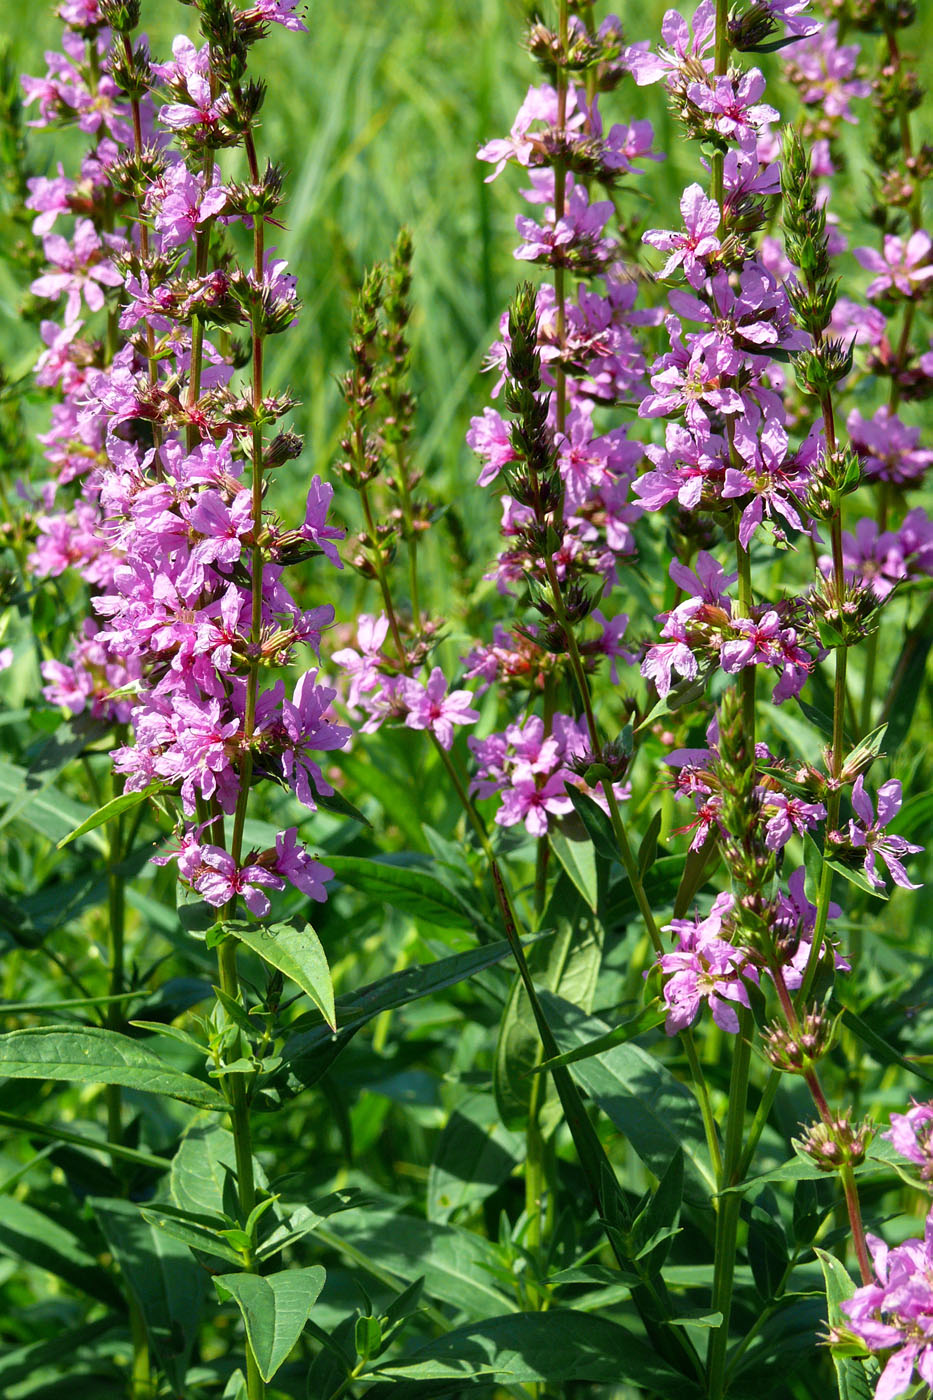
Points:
x=797 y=1052
x=839 y=1143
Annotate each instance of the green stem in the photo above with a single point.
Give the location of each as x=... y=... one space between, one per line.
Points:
x=727 y=1221
x=833 y=804
x=846 y=1172
x=238 y=1105
x=762 y=1113
x=140 y=1384
x=114 y=1150
x=702 y=1093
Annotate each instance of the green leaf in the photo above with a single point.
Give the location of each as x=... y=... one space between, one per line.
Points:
x=339 y=806
x=579 y=861
x=86 y=1142
x=816 y=716
x=297 y=953
x=22 y=1364
x=867 y=748
x=851 y=1377
x=459 y=1267
x=31 y=1235
x=648 y=850
x=275 y=1310
x=560 y=1345
x=906 y=685
x=393 y=794
x=304 y=1220
x=567 y=964
x=309 y=1053
x=596 y=822
x=474 y=1155
x=684 y=693
x=200 y=1232
x=94 y=1056
x=40 y=805
x=657 y=1223
x=880 y=1048
x=654 y=1110
x=412 y=889
x=125 y=803
x=646 y=1020
x=855 y=877
x=164 y=1279
x=201 y=1169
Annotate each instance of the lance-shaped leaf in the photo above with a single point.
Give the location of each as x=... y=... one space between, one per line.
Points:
x=560 y=1345
x=30 y=1235
x=114 y=808
x=657 y=1113
x=90 y=1055
x=296 y=952
x=275 y=1310
x=851 y=1376
x=411 y=888
x=311 y=1050
x=164 y=1279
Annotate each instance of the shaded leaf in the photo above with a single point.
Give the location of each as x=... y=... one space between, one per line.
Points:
x=31 y=1235
x=308 y=1054
x=560 y=1345
x=597 y=824
x=457 y=1265
x=90 y=1055
x=475 y=1153
x=40 y=805
x=654 y=1110
x=851 y=1376
x=164 y=1279
x=275 y=1310
x=412 y=889
x=579 y=861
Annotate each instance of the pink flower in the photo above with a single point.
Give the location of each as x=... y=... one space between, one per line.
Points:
x=430 y=707
x=888 y=448
x=705 y=967
x=698 y=242
x=823 y=70
x=870 y=834
x=219 y=879
x=893 y=1315
x=733 y=107
x=911 y=1134
x=902 y=267
x=294 y=863
x=315 y=527
x=683 y=50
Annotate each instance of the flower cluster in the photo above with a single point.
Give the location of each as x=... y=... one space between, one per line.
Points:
x=172 y=530
x=892 y=1315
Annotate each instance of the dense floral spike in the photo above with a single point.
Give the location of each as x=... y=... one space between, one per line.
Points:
x=185 y=557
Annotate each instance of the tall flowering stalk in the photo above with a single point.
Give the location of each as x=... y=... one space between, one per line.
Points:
x=671 y=427
x=185 y=556
x=743 y=462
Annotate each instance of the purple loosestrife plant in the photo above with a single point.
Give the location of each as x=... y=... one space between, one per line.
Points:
x=173 y=530
x=708 y=467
